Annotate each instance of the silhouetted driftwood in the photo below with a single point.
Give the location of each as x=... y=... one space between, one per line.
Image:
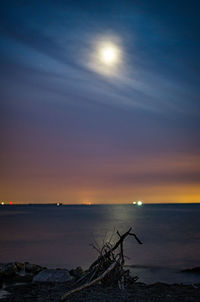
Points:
x=108 y=267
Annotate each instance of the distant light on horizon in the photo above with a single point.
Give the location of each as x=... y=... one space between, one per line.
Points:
x=139 y=203
x=86 y=203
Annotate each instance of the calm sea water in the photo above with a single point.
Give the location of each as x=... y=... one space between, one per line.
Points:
x=61 y=237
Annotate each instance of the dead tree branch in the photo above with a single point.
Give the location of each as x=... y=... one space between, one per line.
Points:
x=108 y=267
x=111 y=267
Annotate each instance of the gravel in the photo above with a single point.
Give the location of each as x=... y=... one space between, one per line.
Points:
x=138 y=292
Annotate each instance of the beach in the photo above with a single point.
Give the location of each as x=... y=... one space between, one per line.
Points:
x=139 y=292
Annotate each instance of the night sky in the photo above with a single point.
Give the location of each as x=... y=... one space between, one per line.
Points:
x=77 y=130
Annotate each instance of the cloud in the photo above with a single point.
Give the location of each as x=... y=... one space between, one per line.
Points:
x=64 y=49
x=162 y=178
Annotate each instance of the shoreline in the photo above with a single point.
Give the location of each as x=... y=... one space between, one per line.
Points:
x=23 y=282
x=138 y=292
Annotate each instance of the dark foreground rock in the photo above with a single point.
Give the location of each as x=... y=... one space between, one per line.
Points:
x=77 y=272
x=18 y=272
x=194 y=270
x=138 y=292
x=53 y=275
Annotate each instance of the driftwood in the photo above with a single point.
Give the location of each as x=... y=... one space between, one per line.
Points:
x=111 y=267
x=119 y=242
x=108 y=268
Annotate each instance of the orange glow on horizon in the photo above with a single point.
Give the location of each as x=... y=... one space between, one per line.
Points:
x=118 y=181
x=86 y=203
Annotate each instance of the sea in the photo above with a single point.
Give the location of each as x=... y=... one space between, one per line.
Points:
x=68 y=236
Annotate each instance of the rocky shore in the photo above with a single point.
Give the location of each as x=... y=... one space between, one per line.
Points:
x=25 y=282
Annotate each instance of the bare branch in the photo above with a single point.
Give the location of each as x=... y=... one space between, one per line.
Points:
x=111 y=267
x=138 y=240
x=108 y=267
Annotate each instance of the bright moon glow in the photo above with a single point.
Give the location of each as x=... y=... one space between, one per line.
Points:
x=109 y=54
x=106 y=57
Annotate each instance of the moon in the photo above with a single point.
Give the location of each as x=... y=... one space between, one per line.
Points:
x=109 y=54
x=106 y=57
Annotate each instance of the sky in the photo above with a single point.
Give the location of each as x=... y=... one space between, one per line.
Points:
x=75 y=129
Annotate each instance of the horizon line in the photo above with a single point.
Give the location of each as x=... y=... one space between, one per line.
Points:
x=7 y=203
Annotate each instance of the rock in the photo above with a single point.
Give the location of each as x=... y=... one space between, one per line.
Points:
x=23 y=278
x=33 y=268
x=8 y=270
x=77 y=272
x=1 y=280
x=53 y=275
x=3 y=294
x=194 y=270
x=20 y=266
x=18 y=271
